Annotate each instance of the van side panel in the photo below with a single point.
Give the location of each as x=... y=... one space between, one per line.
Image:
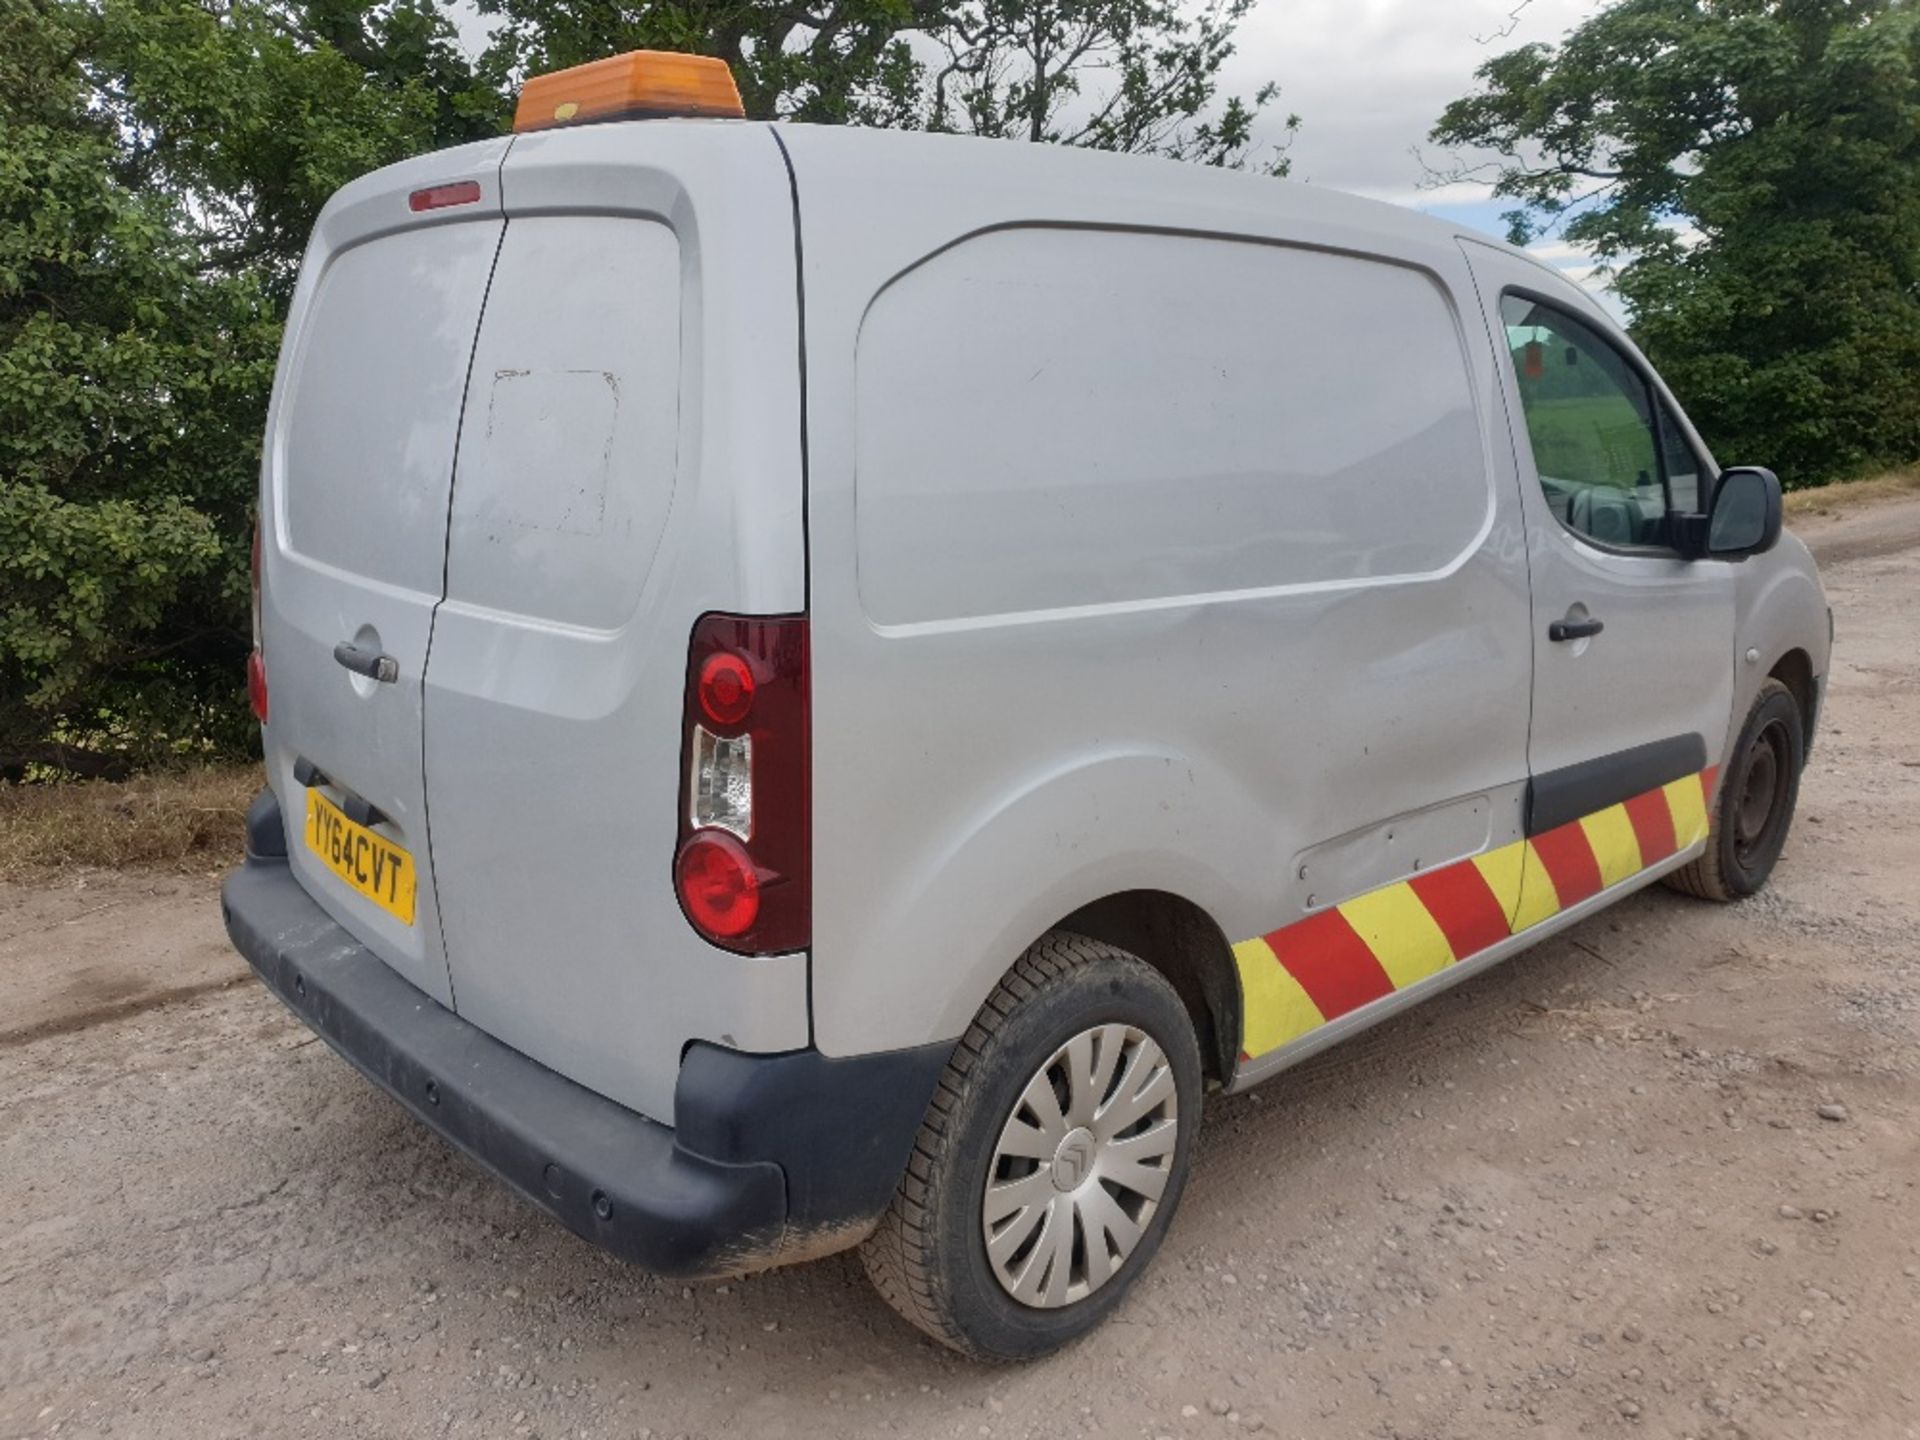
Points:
x=630 y=460
x=1102 y=436
x=1779 y=607
x=1095 y=608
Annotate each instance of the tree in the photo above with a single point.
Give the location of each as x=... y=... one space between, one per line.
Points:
x=1751 y=169
x=254 y=112
x=1129 y=75
x=831 y=61
x=160 y=166
x=1134 y=75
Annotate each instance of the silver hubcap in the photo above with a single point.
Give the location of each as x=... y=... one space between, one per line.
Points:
x=1080 y=1166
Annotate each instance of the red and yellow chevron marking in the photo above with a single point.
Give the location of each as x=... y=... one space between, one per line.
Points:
x=1302 y=975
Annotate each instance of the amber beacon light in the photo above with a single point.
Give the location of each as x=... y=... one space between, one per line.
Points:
x=640 y=85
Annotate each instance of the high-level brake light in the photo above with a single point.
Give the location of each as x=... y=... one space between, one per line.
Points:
x=438 y=197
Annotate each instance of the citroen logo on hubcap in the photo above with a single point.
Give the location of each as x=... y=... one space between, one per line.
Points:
x=1073 y=1161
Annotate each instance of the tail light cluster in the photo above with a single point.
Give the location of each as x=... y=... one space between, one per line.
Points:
x=743 y=868
x=256 y=662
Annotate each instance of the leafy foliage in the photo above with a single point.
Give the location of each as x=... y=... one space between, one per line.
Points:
x=1132 y=75
x=829 y=62
x=160 y=166
x=1752 y=169
x=255 y=114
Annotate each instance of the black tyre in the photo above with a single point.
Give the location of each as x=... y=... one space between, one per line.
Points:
x=1051 y=1159
x=1754 y=809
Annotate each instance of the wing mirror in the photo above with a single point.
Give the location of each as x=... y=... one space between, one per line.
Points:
x=1745 y=516
x=1743 y=520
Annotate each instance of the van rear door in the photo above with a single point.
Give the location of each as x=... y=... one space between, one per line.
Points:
x=358 y=465
x=630 y=460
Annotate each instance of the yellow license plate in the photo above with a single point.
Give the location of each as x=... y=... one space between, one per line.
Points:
x=377 y=868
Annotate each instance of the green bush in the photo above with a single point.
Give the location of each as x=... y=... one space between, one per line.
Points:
x=1752 y=170
x=160 y=167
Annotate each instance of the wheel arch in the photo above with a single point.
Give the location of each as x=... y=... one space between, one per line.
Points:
x=1795 y=671
x=1187 y=946
x=1782 y=632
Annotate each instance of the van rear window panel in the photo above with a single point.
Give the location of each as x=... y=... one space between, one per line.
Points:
x=368 y=442
x=569 y=450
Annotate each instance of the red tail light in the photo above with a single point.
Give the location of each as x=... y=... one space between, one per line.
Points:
x=725 y=688
x=743 y=869
x=718 y=884
x=257 y=662
x=257 y=686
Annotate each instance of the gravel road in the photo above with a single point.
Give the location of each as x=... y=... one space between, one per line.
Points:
x=1656 y=1176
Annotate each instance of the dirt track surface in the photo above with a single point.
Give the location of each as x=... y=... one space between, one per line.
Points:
x=1588 y=1193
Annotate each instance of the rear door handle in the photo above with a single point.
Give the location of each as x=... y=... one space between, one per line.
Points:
x=370 y=663
x=1574 y=629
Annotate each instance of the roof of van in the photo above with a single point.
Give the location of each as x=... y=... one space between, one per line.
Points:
x=889 y=157
x=910 y=192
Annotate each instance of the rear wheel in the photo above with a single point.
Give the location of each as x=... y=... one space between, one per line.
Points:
x=1051 y=1159
x=1754 y=808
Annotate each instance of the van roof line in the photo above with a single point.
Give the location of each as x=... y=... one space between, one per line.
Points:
x=915 y=150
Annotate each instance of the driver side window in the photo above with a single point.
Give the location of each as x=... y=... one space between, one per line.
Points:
x=1592 y=423
x=1685 y=493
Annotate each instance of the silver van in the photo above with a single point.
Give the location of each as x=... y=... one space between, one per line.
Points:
x=822 y=687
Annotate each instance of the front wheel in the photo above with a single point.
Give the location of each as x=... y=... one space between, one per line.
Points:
x=1051 y=1159
x=1754 y=809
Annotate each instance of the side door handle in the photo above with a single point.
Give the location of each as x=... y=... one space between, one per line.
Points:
x=370 y=663
x=1574 y=629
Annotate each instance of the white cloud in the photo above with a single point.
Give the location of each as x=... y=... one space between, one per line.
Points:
x=1452 y=192
x=1369 y=77
x=1556 y=252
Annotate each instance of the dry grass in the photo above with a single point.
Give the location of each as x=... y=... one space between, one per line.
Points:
x=1830 y=499
x=190 y=820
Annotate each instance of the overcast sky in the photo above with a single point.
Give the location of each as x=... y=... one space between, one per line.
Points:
x=1369 y=77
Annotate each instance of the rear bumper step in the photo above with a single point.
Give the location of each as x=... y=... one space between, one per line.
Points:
x=776 y=1158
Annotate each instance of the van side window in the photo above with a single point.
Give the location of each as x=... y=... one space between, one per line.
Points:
x=1590 y=418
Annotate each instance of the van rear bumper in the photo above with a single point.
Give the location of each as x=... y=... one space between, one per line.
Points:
x=773 y=1158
